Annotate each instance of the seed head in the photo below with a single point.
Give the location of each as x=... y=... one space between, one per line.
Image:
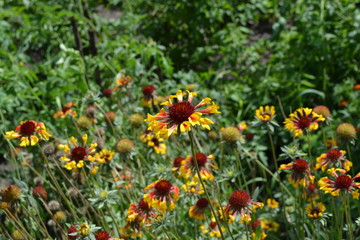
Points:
x=346 y=131
x=124 y=146
x=136 y=120
x=230 y=134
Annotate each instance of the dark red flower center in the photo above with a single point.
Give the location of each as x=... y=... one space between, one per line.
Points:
x=202 y=203
x=148 y=90
x=315 y=210
x=106 y=157
x=107 y=92
x=312 y=187
x=163 y=187
x=201 y=159
x=177 y=162
x=333 y=154
x=343 y=182
x=181 y=112
x=304 y=122
x=255 y=224
x=213 y=225
x=65 y=109
x=102 y=235
x=78 y=153
x=143 y=205
x=300 y=166
x=27 y=128
x=155 y=141
x=239 y=199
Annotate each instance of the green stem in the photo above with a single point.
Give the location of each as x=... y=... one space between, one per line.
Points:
x=346 y=203
x=236 y=152
x=203 y=185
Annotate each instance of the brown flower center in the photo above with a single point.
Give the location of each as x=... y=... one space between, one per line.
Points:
x=155 y=141
x=300 y=166
x=177 y=162
x=255 y=224
x=163 y=187
x=333 y=154
x=102 y=235
x=343 y=182
x=239 y=199
x=201 y=159
x=312 y=187
x=78 y=153
x=143 y=205
x=315 y=210
x=27 y=128
x=304 y=122
x=202 y=203
x=148 y=90
x=65 y=109
x=181 y=112
x=213 y=225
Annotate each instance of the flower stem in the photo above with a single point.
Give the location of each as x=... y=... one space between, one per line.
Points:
x=236 y=152
x=203 y=185
x=346 y=203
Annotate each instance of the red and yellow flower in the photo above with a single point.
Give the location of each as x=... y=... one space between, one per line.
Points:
x=76 y=155
x=212 y=228
x=29 y=132
x=240 y=202
x=122 y=81
x=333 y=158
x=300 y=171
x=164 y=193
x=197 y=211
x=339 y=182
x=188 y=167
x=66 y=110
x=181 y=115
x=265 y=114
x=303 y=119
x=193 y=187
x=142 y=210
x=269 y=225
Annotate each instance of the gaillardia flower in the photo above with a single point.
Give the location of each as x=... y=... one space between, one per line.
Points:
x=300 y=171
x=76 y=156
x=265 y=114
x=122 y=81
x=104 y=156
x=66 y=110
x=272 y=203
x=333 y=158
x=142 y=210
x=212 y=228
x=269 y=225
x=240 y=202
x=29 y=133
x=102 y=235
x=193 y=187
x=303 y=119
x=197 y=211
x=340 y=183
x=157 y=143
x=163 y=193
x=188 y=167
x=315 y=210
x=181 y=115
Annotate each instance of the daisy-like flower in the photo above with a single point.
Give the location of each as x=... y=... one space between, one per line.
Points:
x=149 y=92
x=315 y=210
x=188 y=167
x=141 y=209
x=181 y=115
x=163 y=193
x=177 y=163
x=197 y=211
x=102 y=235
x=66 y=110
x=84 y=229
x=257 y=232
x=157 y=143
x=122 y=81
x=193 y=187
x=265 y=114
x=333 y=158
x=29 y=132
x=311 y=191
x=104 y=156
x=76 y=156
x=132 y=228
x=272 y=203
x=212 y=228
x=300 y=171
x=340 y=183
x=269 y=225
x=240 y=202
x=303 y=119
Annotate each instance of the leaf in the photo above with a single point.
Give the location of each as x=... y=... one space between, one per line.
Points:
x=313 y=91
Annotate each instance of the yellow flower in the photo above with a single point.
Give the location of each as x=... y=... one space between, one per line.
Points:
x=182 y=115
x=104 y=156
x=66 y=110
x=269 y=225
x=272 y=203
x=303 y=119
x=315 y=210
x=265 y=114
x=84 y=229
